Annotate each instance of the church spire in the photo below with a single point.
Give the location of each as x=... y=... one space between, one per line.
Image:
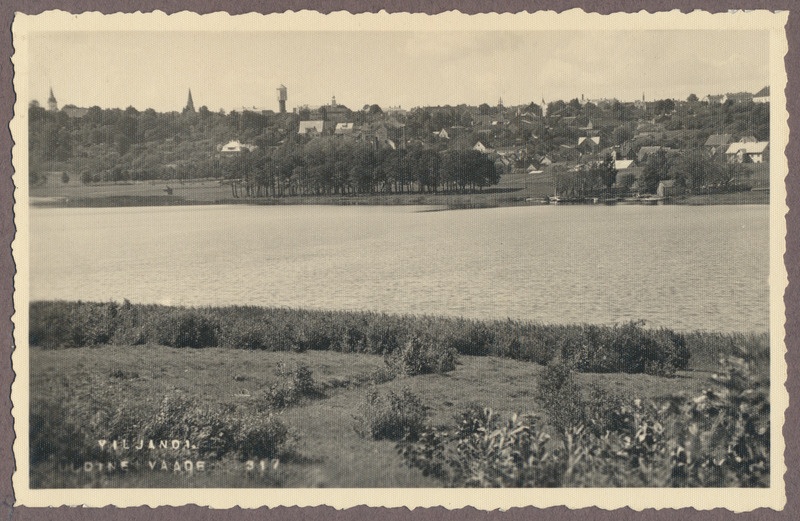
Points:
x=189 y=103
x=52 y=104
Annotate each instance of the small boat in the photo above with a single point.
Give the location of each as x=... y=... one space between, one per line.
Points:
x=651 y=200
x=557 y=199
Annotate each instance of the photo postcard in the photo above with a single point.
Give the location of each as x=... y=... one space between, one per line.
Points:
x=379 y=259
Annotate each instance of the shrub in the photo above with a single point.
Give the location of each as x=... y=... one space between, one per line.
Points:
x=186 y=328
x=55 y=435
x=627 y=348
x=484 y=451
x=421 y=356
x=211 y=427
x=560 y=397
x=260 y=437
x=299 y=378
x=49 y=324
x=393 y=416
x=297 y=382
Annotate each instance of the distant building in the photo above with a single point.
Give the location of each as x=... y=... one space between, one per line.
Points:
x=646 y=151
x=712 y=99
x=762 y=96
x=480 y=147
x=623 y=164
x=442 y=134
x=344 y=129
x=396 y=110
x=590 y=142
x=668 y=188
x=739 y=97
x=236 y=147
x=748 y=152
x=74 y=112
x=316 y=127
x=718 y=142
x=335 y=112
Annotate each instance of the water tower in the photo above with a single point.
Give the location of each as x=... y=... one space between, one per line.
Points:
x=282 y=98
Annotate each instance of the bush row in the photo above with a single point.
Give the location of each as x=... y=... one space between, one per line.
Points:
x=720 y=438
x=628 y=347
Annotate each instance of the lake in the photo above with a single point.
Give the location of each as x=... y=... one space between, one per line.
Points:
x=681 y=267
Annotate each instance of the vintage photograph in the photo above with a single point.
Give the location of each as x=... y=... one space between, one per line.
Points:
x=361 y=252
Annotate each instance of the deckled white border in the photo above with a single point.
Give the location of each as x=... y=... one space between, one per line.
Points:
x=637 y=499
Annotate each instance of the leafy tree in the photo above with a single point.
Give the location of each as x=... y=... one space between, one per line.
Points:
x=695 y=169
x=627 y=180
x=556 y=107
x=664 y=106
x=607 y=171
x=65 y=178
x=655 y=170
x=533 y=108
x=425 y=165
x=622 y=133
x=692 y=98
x=56 y=142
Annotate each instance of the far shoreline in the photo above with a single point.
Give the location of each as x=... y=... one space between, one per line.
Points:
x=451 y=201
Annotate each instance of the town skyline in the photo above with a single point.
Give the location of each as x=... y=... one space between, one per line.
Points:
x=240 y=70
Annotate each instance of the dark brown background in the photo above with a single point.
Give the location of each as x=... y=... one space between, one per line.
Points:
x=791 y=429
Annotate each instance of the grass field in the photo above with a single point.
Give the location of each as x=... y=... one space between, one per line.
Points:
x=328 y=451
x=304 y=410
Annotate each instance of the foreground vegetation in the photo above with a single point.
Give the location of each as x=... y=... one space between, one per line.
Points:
x=629 y=348
x=315 y=398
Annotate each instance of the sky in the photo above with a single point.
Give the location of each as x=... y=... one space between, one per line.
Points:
x=231 y=70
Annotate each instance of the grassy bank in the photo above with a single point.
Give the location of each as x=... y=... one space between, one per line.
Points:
x=280 y=397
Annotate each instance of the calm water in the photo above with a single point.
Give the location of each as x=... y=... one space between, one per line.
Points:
x=680 y=267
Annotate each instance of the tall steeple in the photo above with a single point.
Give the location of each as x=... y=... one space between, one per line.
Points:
x=52 y=104
x=189 y=103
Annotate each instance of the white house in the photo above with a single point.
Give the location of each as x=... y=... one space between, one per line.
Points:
x=623 y=164
x=589 y=141
x=480 y=147
x=236 y=147
x=747 y=152
x=311 y=127
x=344 y=129
x=762 y=96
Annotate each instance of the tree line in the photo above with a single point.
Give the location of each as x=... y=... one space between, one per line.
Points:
x=331 y=166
